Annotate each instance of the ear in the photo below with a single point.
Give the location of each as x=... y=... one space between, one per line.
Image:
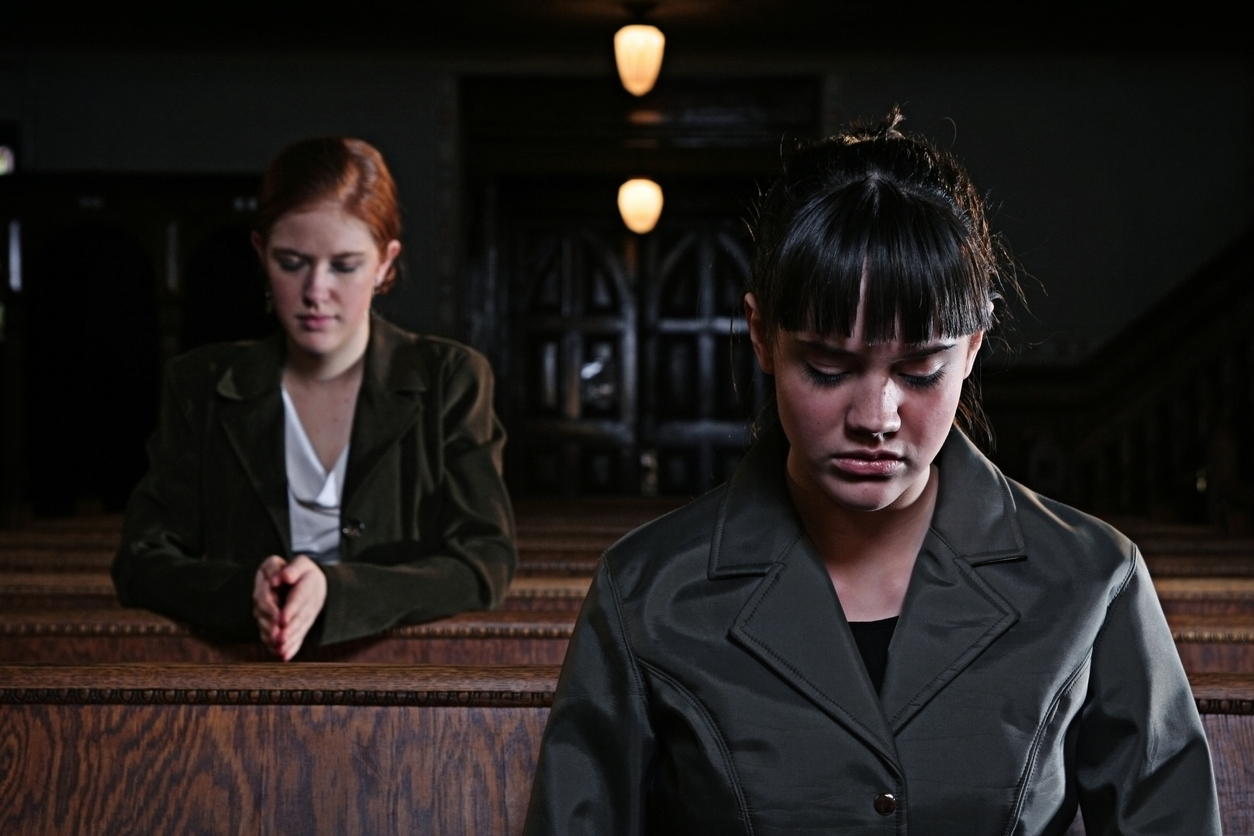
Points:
x=390 y=252
x=973 y=348
x=260 y=246
x=763 y=349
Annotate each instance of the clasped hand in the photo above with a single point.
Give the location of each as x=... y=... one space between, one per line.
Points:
x=287 y=598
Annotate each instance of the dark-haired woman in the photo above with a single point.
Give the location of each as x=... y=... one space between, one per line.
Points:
x=340 y=477
x=870 y=629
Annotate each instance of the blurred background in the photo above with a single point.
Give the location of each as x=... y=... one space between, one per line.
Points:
x=1114 y=145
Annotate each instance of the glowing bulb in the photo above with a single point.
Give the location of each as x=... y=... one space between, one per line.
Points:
x=640 y=204
x=638 y=53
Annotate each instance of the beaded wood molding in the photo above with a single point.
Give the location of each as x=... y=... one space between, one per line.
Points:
x=1223 y=693
x=452 y=629
x=315 y=684
x=1239 y=635
x=223 y=696
x=1223 y=706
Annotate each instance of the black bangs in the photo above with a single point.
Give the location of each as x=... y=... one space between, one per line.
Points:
x=913 y=248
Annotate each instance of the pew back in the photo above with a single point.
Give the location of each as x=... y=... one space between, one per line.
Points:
x=270 y=749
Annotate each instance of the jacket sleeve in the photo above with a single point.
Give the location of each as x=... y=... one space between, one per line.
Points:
x=1142 y=762
x=473 y=561
x=593 y=770
x=161 y=564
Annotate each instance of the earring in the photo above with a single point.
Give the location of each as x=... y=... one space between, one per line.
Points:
x=269 y=301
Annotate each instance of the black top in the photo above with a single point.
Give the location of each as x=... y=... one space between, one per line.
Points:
x=873 y=638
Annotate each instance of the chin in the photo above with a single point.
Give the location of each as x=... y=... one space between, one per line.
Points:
x=868 y=496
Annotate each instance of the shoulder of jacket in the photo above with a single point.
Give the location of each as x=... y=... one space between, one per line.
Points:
x=680 y=536
x=1066 y=533
x=205 y=365
x=435 y=353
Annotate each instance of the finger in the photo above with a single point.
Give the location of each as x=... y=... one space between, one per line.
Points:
x=299 y=568
x=272 y=565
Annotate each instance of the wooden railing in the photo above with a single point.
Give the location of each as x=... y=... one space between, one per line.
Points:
x=1156 y=423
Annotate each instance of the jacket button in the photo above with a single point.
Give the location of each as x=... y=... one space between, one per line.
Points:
x=353 y=528
x=885 y=804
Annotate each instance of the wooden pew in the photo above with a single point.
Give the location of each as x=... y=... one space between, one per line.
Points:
x=268 y=749
x=1207 y=644
x=94 y=590
x=79 y=637
x=547 y=554
x=1214 y=643
x=338 y=748
x=1226 y=702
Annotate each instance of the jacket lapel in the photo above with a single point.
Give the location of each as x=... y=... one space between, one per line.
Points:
x=388 y=404
x=792 y=622
x=250 y=412
x=951 y=614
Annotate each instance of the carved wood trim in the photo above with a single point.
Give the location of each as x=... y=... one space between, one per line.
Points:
x=1223 y=693
x=1212 y=636
x=1217 y=706
x=315 y=684
x=473 y=625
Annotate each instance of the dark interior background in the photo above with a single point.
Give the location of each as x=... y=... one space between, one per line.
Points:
x=1116 y=149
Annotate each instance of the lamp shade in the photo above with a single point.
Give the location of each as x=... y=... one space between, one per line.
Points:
x=640 y=204
x=638 y=53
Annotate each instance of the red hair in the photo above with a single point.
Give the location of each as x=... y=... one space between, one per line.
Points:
x=336 y=169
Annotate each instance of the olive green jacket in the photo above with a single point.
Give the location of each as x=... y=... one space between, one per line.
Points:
x=713 y=686
x=427 y=524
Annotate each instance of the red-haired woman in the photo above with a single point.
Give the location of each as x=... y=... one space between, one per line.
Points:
x=339 y=477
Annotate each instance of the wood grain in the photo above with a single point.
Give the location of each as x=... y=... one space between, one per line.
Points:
x=94 y=590
x=267 y=769
x=128 y=635
x=1231 y=738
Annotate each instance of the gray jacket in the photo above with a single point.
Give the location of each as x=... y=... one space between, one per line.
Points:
x=713 y=685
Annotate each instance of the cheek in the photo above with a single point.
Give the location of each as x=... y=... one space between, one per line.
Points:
x=804 y=411
x=930 y=415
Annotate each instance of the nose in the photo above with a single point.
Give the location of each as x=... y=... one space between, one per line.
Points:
x=317 y=284
x=874 y=409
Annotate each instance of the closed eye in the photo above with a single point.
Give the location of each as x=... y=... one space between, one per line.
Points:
x=819 y=378
x=924 y=381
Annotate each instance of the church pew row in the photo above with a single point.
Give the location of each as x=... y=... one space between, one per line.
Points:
x=79 y=637
x=94 y=590
x=576 y=553
x=1206 y=644
x=552 y=554
x=352 y=749
x=269 y=749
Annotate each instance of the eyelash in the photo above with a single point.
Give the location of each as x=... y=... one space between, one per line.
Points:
x=914 y=381
x=295 y=266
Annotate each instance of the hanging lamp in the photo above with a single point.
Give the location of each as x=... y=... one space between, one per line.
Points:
x=640 y=204
x=638 y=49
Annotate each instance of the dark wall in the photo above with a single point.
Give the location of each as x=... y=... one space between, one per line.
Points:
x=1113 y=177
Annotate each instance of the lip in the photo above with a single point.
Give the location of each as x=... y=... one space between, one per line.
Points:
x=868 y=463
x=314 y=322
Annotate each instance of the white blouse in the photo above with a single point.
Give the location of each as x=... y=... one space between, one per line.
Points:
x=313 y=494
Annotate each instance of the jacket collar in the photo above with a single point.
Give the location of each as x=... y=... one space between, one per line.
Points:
x=793 y=621
x=251 y=412
x=258 y=370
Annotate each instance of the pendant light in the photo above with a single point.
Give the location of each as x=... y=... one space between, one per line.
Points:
x=640 y=204
x=638 y=51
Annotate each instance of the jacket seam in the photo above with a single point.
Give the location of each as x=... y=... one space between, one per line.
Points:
x=724 y=752
x=626 y=634
x=785 y=663
x=969 y=573
x=1117 y=601
x=1030 y=767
